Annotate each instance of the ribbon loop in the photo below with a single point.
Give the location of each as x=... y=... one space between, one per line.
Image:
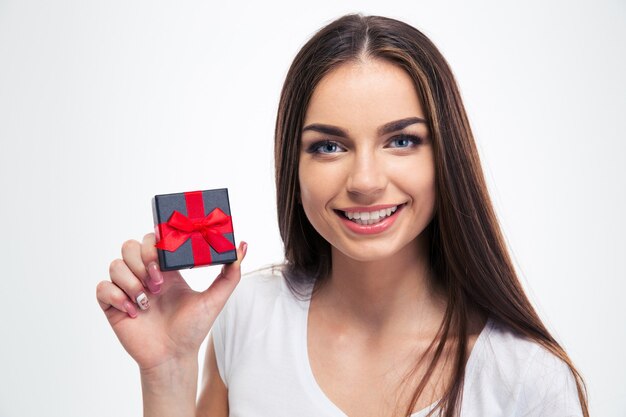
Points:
x=179 y=228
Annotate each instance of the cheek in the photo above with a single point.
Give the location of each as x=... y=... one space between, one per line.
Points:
x=313 y=200
x=427 y=187
x=307 y=187
x=428 y=190
x=312 y=195
x=417 y=178
x=319 y=182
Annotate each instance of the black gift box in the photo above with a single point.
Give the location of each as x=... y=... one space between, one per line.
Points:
x=193 y=229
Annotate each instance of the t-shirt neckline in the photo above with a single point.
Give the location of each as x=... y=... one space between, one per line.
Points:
x=329 y=406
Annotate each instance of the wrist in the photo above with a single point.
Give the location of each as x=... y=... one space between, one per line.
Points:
x=173 y=371
x=170 y=387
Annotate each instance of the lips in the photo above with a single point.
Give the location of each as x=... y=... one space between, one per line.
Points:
x=366 y=220
x=369 y=217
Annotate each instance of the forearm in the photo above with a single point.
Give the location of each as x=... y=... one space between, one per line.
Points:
x=171 y=389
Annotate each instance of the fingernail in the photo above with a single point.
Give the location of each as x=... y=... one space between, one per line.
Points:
x=142 y=301
x=245 y=248
x=154 y=288
x=155 y=273
x=130 y=309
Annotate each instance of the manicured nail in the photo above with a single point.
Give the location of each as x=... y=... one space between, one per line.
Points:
x=142 y=301
x=154 y=288
x=155 y=273
x=130 y=309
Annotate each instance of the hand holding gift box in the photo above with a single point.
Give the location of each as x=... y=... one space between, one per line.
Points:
x=158 y=318
x=193 y=229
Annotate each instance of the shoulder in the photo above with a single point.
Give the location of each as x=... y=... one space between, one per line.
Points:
x=265 y=281
x=521 y=355
x=525 y=372
x=257 y=290
x=261 y=296
x=245 y=316
x=548 y=386
x=512 y=350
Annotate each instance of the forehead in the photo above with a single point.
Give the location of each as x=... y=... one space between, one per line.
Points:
x=364 y=95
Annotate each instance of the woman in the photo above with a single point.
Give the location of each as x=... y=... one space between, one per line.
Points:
x=397 y=296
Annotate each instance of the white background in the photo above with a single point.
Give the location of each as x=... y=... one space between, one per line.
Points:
x=105 y=103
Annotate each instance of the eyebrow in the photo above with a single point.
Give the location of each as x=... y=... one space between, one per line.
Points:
x=384 y=129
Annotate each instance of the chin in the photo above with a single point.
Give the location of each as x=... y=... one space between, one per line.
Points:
x=372 y=254
x=381 y=249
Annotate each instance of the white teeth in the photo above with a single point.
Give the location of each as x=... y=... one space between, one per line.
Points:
x=369 y=217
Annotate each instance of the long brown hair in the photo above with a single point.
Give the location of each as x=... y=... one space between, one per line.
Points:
x=468 y=254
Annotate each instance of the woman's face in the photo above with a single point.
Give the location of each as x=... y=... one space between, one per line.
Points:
x=366 y=171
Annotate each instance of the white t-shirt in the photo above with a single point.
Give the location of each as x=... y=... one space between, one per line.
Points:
x=261 y=350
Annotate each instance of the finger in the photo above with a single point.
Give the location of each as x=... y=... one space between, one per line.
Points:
x=122 y=276
x=149 y=258
x=234 y=268
x=131 y=253
x=225 y=283
x=148 y=250
x=110 y=296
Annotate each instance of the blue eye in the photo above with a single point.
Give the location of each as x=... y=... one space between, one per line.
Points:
x=405 y=141
x=325 y=147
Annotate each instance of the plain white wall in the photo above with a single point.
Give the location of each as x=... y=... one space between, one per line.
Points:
x=105 y=103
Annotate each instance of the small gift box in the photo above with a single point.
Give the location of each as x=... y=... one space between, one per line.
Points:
x=193 y=229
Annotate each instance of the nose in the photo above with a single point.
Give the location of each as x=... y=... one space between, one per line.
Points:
x=367 y=176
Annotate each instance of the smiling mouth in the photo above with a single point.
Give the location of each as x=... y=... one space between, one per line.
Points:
x=369 y=217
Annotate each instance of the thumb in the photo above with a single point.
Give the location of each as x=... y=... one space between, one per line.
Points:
x=224 y=284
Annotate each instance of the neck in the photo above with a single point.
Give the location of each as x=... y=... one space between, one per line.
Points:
x=385 y=294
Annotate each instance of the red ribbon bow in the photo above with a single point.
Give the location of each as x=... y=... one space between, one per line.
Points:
x=179 y=228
